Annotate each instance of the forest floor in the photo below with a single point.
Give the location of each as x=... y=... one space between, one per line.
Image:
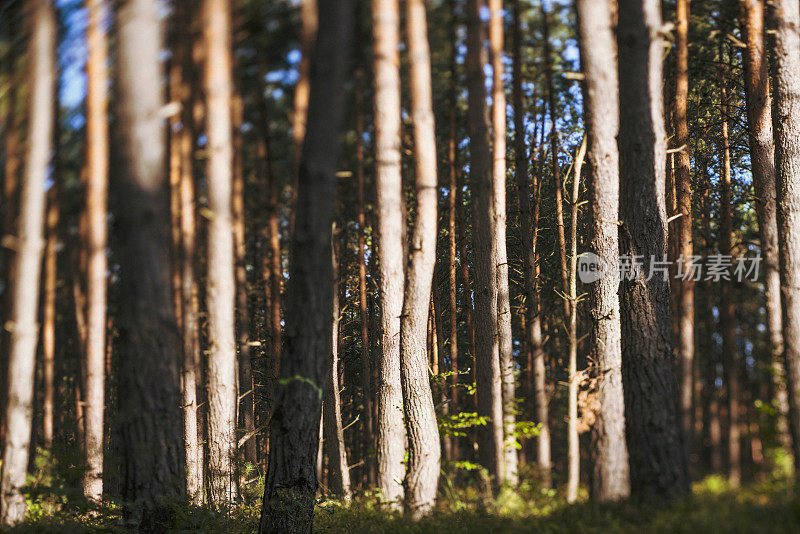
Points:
x=770 y=505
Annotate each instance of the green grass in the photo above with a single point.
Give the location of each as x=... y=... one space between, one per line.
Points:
x=772 y=506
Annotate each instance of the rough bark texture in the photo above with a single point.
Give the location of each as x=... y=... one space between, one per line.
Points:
x=149 y=403
x=683 y=196
x=96 y=215
x=333 y=435
x=657 y=462
x=291 y=480
x=28 y=262
x=528 y=231
x=786 y=119
x=391 y=436
x=496 y=41
x=610 y=479
x=221 y=284
x=424 y=448
x=487 y=357
x=762 y=160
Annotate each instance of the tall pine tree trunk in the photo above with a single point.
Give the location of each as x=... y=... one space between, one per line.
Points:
x=610 y=473
x=50 y=291
x=424 y=448
x=28 y=262
x=487 y=356
x=391 y=436
x=657 y=462
x=291 y=481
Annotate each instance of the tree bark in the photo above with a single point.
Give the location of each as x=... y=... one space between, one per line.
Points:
x=657 y=462
x=487 y=357
x=28 y=262
x=291 y=481
x=338 y=471
x=391 y=437
x=149 y=413
x=97 y=265
x=424 y=448
x=221 y=291
x=49 y=316
x=309 y=21
x=496 y=41
x=762 y=158
x=452 y=214
x=786 y=120
x=683 y=186
x=610 y=479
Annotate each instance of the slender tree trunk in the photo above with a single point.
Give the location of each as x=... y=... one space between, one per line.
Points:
x=366 y=367
x=762 y=157
x=727 y=314
x=487 y=357
x=49 y=316
x=149 y=416
x=786 y=119
x=610 y=474
x=338 y=472
x=309 y=22
x=391 y=436
x=424 y=448
x=96 y=214
x=291 y=482
x=507 y=365
x=452 y=196
x=221 y=292
x=28 y=262
x=246 y=392
x=554 y=150
x=573 y=439
x=657 y=462
x=529 y=228
x=683 y=186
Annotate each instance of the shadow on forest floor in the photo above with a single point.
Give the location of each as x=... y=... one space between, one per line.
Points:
x=772 y=506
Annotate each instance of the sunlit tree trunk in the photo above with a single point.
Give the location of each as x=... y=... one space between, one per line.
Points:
x=96 y=214
x=573 y=439
x=424 y=448
x=610 y=474
x=391 y=436
x=786 y=120
x=683 y=187
x=657 y=462
x=28 y=262
x=496 y=40
x=487 y=357
x=309 y=23
x=762 y=158
x=50 y=291
x=220 y=295
x=338 y=472
x=148 y=387
x=291 y=482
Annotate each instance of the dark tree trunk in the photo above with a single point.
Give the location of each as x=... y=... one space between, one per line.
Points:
x=291 y=481
x=657 y=462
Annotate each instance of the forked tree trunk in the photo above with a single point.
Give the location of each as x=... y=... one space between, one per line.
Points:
x=610 y=473
x=96 y=215
x=507 y=371
x=786 y=120
x=148 y=389
x=291 y=482
x=762 y=158
x=683 y=187
x=221 y=292
x=657 y=462
x=573 y=439
x=391 y=436
x=28 y=262
x=487 y=357
x=424 y=448
x=333 y=435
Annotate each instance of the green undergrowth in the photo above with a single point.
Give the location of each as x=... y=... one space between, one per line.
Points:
x=465 y=505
